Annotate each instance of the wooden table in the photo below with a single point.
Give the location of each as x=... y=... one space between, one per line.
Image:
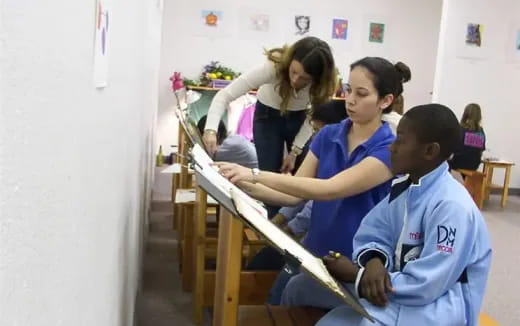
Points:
x=489 y=166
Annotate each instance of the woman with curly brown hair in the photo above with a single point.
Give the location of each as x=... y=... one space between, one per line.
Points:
x=292 y=79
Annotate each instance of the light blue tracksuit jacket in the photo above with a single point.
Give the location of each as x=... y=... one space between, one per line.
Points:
x=437 y=251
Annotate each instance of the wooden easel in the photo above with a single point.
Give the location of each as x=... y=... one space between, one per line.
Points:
x=253 y=285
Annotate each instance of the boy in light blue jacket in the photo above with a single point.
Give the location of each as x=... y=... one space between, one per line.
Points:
x=422 y=255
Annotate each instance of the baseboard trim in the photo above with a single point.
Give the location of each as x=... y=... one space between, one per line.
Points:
x=512 y=191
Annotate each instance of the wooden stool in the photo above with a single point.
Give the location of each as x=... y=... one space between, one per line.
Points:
x=485 y=320
x=489 y=166
x=474 y=183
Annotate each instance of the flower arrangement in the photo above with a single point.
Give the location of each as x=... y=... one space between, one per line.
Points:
x=211 y=72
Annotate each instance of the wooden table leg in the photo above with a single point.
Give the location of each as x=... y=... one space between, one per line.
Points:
x=199 y=259
x=505 y=191
x=488 y=171
x=187 y=249
x=229 y=259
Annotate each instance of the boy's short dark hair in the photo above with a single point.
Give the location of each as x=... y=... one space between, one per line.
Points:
x=221 y=132
x=436 y=123
x=331 y=112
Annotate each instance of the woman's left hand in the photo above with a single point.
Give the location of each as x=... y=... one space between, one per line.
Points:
x=288 y=164
x=234 y=172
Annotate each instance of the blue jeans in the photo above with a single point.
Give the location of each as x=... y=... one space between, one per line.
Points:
x=303 y=290
x=272 y=131
x=275 y=294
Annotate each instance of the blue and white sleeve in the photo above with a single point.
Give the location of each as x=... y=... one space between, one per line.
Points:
x=374 y=237
x=301 y=222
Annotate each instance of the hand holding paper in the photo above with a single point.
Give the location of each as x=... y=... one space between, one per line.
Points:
x=234 y=172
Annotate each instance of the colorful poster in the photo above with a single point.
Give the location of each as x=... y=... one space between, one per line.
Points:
x=376 y=33
x=474 y=34
x=101 y=42
x=339 y=29
x=211 y=18
x=302 y=24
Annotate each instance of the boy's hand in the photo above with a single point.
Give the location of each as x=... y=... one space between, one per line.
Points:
x=278 y=219
x=341 y=267
x=376 y=283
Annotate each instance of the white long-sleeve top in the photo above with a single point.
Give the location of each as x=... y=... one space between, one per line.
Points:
x=264 y=78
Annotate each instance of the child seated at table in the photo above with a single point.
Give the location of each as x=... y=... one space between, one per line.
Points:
x=422 y=255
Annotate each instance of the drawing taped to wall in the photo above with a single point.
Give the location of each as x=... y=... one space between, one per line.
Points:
x=101 y=43
x=339 y=29
x=302 y=24
x=376 y=33
x=474 y=34
x=211 y=18
x=259 y=22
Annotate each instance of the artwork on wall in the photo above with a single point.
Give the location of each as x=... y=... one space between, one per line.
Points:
x=376 y=33
x=474 y=34
x=471 y=42
x=302 y=25
x=339 y=29
x=211 y=18
x=259 y=22
x=255 y=24
x=210 y=22
x=101 y=43
x=513 y=44
x=517 y=43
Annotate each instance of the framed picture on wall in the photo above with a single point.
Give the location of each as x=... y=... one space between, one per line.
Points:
x=474 y=33
x=376 y=33
x=211 y=22
x=302 y=24
x=471 y=40
x=512 y=49
x=101 y=43
x=339 y=29
x=256 y=24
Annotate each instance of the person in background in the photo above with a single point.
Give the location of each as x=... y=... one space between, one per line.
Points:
x=469 y=155
x=295 y=220
x=398 y=107
x=422 y=255
x=289 y=82
x=232 y=148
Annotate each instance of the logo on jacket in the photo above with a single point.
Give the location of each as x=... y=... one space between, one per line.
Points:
x=445 y=238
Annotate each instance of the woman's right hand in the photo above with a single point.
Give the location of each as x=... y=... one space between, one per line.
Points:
x=210 y=141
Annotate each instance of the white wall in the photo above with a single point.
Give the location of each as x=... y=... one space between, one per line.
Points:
x=491 y=80
x=412 y=34
x=76 y=161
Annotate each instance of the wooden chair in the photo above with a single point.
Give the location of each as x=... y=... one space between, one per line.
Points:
x=474 y=183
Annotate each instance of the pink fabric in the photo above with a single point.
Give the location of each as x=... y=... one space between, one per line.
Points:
x=245 y=123
x=474 y=139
